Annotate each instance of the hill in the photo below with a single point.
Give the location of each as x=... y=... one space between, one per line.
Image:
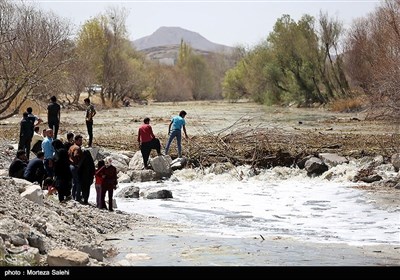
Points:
x=163 y=44
x=168 y=36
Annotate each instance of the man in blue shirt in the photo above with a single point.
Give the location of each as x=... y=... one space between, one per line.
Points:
x=48 y=150
x=175 y=131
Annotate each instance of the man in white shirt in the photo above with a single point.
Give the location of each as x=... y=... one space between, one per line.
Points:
x=37 y=140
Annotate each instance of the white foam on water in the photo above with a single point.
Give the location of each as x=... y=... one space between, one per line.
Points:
x=276 y=202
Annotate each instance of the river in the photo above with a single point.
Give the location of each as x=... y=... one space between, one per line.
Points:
x=237 y=209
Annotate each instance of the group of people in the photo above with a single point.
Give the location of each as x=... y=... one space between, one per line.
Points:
x=147 y=140
x=66 y=167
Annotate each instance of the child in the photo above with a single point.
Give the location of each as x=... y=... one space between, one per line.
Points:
x=98 y=182
x=49 y=184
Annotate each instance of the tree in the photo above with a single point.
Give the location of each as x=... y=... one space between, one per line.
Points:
x=34 y=49
x=373 y=58
x=293 y=65
x=197 y=70
x=104 y=46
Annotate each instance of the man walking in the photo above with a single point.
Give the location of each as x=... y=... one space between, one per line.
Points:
x=53 y=115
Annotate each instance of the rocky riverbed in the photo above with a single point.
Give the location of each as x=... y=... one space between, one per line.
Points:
x=36 y=233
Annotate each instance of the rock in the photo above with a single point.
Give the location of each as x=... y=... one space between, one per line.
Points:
x=66 y=257
x=162 y=194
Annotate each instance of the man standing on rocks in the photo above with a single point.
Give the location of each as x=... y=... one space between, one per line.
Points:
x=174 y=131
x=147 y=141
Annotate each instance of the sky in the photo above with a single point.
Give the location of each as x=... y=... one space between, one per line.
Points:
x=231 y=23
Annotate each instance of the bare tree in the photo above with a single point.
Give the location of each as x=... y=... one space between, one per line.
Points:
x=33 y=50
x=373 y=58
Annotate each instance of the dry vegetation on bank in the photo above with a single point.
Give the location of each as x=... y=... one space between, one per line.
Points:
x=247 y=133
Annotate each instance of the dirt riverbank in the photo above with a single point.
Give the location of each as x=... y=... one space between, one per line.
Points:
x=155 y=242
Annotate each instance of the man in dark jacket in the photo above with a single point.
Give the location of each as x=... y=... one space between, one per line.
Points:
x=25 y=134
x=18 y=165
x=35 y=172
x=54 y=115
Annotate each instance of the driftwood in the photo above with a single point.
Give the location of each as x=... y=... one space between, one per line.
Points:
x=266 y=147
x=258 y=146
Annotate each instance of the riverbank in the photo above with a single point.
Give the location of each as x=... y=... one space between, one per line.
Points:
x=152 y=241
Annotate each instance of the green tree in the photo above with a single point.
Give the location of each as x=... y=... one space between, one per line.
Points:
x=104 y=47
x=197 y=70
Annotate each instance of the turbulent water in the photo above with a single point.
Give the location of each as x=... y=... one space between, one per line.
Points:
x=275 y=202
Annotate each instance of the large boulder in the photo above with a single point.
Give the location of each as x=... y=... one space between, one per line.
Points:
x=34 y=193
x=162 y=166
x=65 y=257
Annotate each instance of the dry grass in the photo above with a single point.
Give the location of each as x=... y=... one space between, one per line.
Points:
x=259 y=145
x=352 y=104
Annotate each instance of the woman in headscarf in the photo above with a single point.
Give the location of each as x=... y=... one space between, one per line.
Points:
x=109 y=175
x=62 y=172
x=86 y=171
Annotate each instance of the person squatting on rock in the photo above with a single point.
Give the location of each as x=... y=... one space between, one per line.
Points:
x=48 y=184
x=174 y=131
x=18 y=165
x=109 y=175
x=147 y=141
x=35 y=172
x=62 y=171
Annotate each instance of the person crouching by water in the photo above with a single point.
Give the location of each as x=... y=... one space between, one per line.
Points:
x=109 y=175
x=147 y=141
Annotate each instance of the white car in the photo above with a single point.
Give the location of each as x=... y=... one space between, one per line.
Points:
x=94 y=88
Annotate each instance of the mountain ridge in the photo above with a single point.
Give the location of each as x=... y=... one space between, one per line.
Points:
x=172 y=36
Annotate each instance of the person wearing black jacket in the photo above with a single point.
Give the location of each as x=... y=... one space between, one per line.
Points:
x=25 y=134
x=62 y=171
x=86 y=172
x=18 y=165
x=35 y=172
x=54 y=115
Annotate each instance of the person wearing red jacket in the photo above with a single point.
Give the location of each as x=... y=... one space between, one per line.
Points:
x=109 y=175
x=147 y=141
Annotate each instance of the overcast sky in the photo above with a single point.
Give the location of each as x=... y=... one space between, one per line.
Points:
x=224 y=22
